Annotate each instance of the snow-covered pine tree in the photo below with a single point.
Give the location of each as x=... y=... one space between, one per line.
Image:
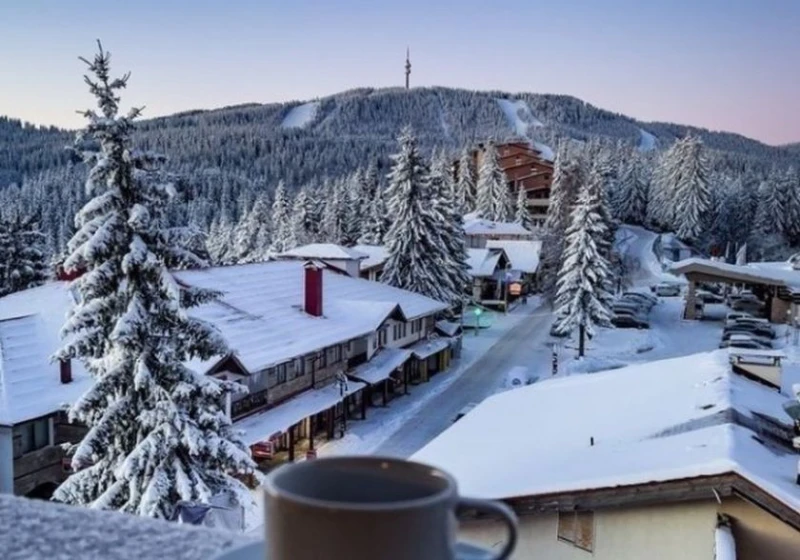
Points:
x=451 y=227
x=522 y=215
x=661 y=210
x=584 y=281
x=301 y=222
x=689 y=183
x=281 y=230
x=414 y=244
x=493 y=196
x=567 y=181
x=330 y=225
x=465 y=187
x=158 y=432
x=770 y=211
x=351 y=220
x=23 y=263
x=631 y=204
x=374 y=220
x=252 y=234
x=789 y=189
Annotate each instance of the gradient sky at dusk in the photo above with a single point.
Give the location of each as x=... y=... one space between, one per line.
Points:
x=722 y=64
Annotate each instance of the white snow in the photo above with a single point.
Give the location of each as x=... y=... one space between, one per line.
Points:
x=324 y=251
x=30 y=385
x=479 y=226
x=751 y=272
x=670 y=428
x=381 y=366
x=376 y=255
x=427 y=348
x=724 y=544
x=521 y=119
x=262 y=426
x=647 y=141
x=523 y=255
x=483 y=262
x=301 y=116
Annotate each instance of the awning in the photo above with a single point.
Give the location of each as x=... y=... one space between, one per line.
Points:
x=427 y=348
x=448 y=328
x=262 y=426
x=381 y=365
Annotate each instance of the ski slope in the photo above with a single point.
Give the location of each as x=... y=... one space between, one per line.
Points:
x=647 y=142
x=521 y=119
x=636 y=243
x=301 y=116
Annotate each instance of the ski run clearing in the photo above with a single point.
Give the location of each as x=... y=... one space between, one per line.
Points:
x=301 y=116
x=647 y=142
x=521 y=119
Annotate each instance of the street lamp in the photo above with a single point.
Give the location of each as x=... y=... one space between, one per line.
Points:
x=478 y=311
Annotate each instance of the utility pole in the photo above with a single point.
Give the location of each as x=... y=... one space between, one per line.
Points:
x=408 y=67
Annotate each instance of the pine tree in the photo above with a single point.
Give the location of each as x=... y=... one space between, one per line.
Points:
x=661 y=210
x=522 y=215
x=451 y=228
x=374 y=229
x=351 y=219
x=584 y=281
x=158 y=432
x=301 y=221
x=23 y=263
x=567 y=181
x=465 y=188
x=689 y=182
x=280 y=221
x=414 y=245
x=330 y=226
x=493 y=197
x=789 y=189
x=631 y=204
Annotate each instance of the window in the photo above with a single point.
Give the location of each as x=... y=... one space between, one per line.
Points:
x=395 y=332
x=309 y=367
x=382 y=336
x=31 y=436
x=577 y=528
x=299 y=367
x=280 y=373
x=334 y=354
x=405 y=329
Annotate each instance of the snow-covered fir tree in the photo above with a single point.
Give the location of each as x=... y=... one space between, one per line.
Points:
x=252 y=237
x=631 y=202
x=689 y=183
x=493 y=197
x=351 y=219
x=662 y=193
x=415 y=247
x=330 y=223
x=466 y=196
x=221 y=242
x=584 y=281
x=567 y=181
x=158 y=432
x=522 y=215
x=374 y=220
x=789 y=190
x=281 y=229
x=451 y=227
x=23 y=262
x=301 y=223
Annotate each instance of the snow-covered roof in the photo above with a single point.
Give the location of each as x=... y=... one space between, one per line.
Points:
x=677 y=422
x=54 y=531
x=261 y=426
x=479 y=226
x=483 y=262
x=260 y=314
x=376 y=255
x=757 y=273
x=30 y=384
x=448 y=328
x=426 y=348
x=522 y=254
x=381 y=365
x=323 y=251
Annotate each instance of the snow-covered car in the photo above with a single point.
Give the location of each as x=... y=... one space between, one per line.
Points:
x=744 y=341
x=749 y=305
x=759 y=329
x=629 y=322
x=730 y=334
x=638 y=296
x=630 y=305
x=709 y=297
x=665 y=289
x=733 y=315
x=464 y=411
x=622 y=311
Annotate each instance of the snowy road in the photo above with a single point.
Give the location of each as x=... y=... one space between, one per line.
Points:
x=521 y=346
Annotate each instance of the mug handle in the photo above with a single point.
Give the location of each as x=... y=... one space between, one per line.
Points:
x=506 y=515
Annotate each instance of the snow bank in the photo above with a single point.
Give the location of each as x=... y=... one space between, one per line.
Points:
x=301 y=116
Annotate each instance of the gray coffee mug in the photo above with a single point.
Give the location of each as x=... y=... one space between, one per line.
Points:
x=365 y=508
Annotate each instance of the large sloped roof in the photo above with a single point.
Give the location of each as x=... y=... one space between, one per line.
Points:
x=574 y=434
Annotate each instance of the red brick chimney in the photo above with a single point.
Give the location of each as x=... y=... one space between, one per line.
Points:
x=313 y=291
x=64 y=275
x=65 y=366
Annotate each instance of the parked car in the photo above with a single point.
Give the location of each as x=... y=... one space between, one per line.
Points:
x=744 y=341
x=733 y=315
x=709 y=297
x=748 y=305
x=643 y=302
x=632 y=305
x=730 y=334
x=749 y=320
x=665 y=289
x=758 y=329
x=641 y=296
x=636 y=314
x=741 y=296
x=464 y=411
x=629 y=322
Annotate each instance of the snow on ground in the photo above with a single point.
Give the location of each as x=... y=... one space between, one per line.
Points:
x=647 y=142
x=521 y=119
x=301 y=116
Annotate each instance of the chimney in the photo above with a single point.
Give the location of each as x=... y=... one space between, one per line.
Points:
x=313 y=289
x=65 y=366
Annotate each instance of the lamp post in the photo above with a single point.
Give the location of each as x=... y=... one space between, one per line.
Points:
x=477 y=312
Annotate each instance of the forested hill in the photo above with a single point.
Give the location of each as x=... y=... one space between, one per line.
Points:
x=338 y=133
